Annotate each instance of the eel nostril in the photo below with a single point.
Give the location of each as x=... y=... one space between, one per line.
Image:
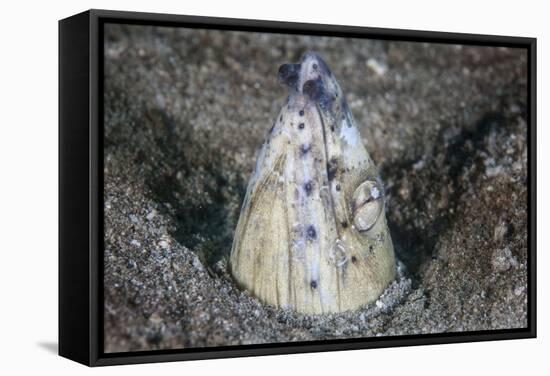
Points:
x=289 y=75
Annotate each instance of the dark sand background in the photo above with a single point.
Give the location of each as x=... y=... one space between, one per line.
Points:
x=186 y=112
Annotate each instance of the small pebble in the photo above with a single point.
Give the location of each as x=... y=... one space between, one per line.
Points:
x=503 y=260
x=152 y=214
x=377 y=67
x=500 y=231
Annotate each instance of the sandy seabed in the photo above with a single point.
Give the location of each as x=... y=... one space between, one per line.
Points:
x=186 y=112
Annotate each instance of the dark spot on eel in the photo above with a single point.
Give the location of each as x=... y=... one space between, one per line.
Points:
x=313 y=284
x=281 y=118
x=338 y=187
x=332 y=128
x=301 y=112
x=304 y=149
x=301 y=125
x=344 y=224
x=311 y=233
x=353 y=259
x=332 y=168
x=308 y=187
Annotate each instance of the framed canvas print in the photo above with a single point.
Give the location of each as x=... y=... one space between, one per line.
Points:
x=237 y=187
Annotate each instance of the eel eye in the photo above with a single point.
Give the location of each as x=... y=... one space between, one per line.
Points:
x=368 y=203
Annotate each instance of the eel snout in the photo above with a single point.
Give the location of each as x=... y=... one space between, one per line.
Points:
x=312 y=79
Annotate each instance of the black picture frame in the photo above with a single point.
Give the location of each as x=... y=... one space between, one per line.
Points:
x=81 y=182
